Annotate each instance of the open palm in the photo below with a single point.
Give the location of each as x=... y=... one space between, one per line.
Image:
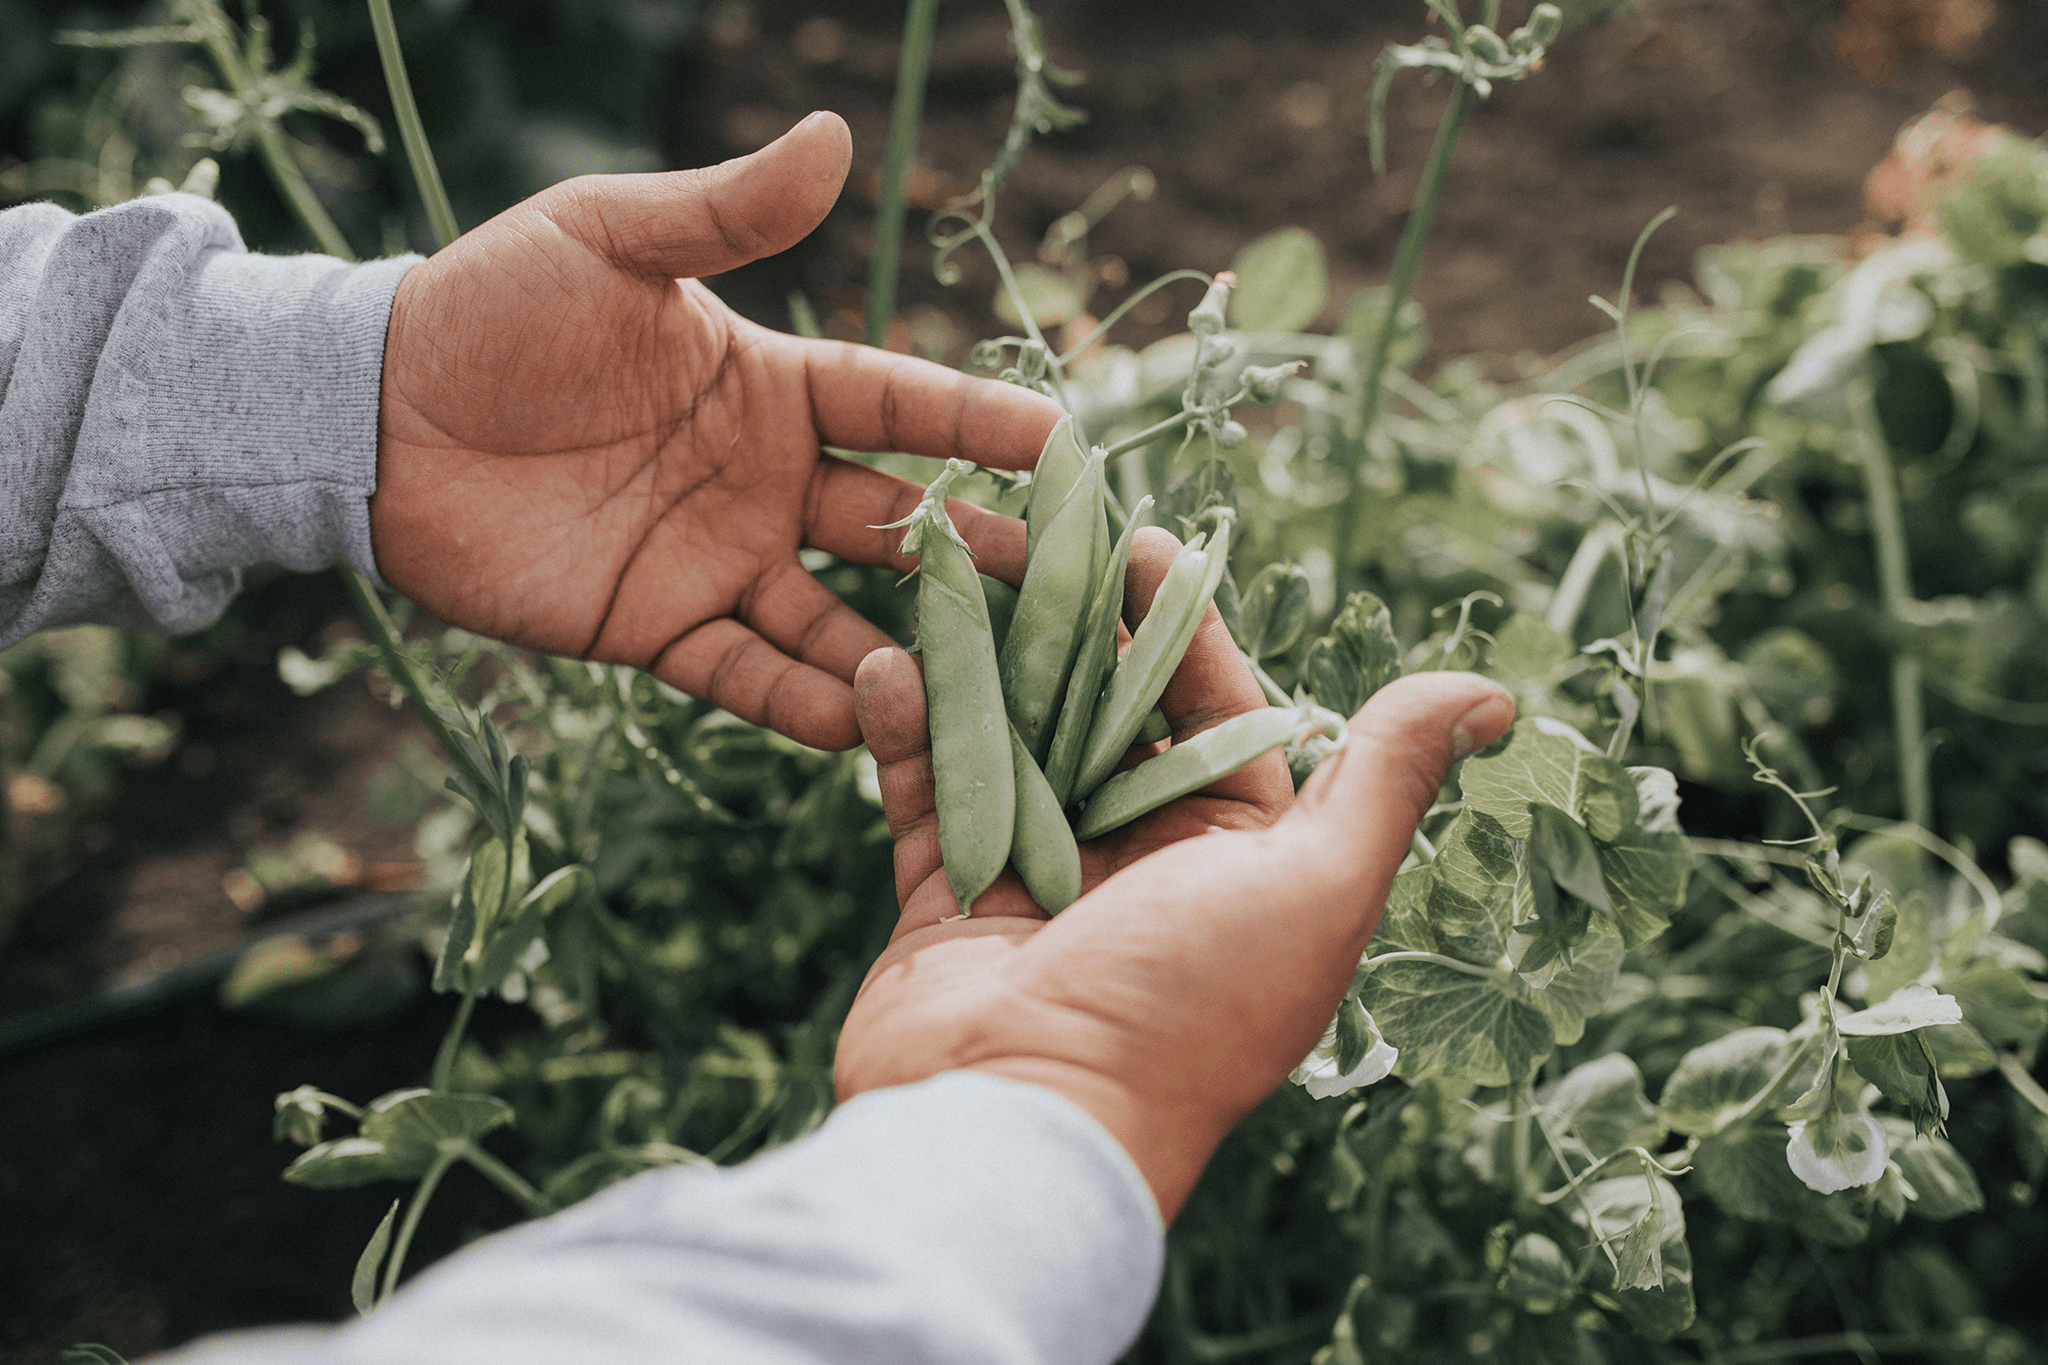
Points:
x=582 y=450
x=1212 y=940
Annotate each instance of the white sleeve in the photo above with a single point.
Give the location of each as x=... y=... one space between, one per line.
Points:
x=966 y=1220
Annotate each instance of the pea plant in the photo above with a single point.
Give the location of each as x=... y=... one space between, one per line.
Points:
x=1605 y=1087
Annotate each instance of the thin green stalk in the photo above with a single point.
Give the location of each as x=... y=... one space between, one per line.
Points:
x=1150 y=434
x=1469 y=968
x=292 y=183
x=510 y=1181
x=404 y=671
x=1888 y=529
x=411 y=131
x=1400 y=284
x=911 y=71
x=403 y=1243
x=444 y=1059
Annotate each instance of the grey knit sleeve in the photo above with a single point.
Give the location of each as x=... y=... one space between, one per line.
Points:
x=173 y=410
x=965 y=1220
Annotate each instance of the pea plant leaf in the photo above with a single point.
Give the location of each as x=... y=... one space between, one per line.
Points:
x=1713 y=1082
x=1908 y=1008
x=1641 y=1222
x=1210 y=484
x=1646 y=872
x=1282 y=282
x=1548 y=763
x=1903 y=1067
x=342 y=1162
x=1744 y=1171
x=416 y=1126
x=1404 y=922
x=1357 y=658
x=1472 y=889
x=1943 y=1185
x=1537 y=1278
x=1571 y=993
x=1455 y=1025
x=1273 y=611
x=1599 y=1108
x=517 y=937
x=363 y=1285
x=1999 y=1004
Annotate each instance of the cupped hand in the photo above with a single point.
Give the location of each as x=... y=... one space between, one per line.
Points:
x=1213 y=940
x=582 y=450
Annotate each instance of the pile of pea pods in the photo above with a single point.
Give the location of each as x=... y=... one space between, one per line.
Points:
x=1030 y=708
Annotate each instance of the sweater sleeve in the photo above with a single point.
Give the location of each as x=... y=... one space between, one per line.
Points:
x=173 y=410
x=966 y=1219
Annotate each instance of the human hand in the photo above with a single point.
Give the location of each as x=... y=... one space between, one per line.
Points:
x=1213 y=940
x=582 y=450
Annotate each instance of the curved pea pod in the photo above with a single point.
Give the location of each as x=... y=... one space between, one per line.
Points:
x=1190 y=766
x=1045 y=632
x=1061 y=462
x=1093 y=662
x=973 y=778
x=1156 y=649
x=1042 y=848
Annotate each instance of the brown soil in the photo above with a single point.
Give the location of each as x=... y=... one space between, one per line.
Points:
x=137 y=1179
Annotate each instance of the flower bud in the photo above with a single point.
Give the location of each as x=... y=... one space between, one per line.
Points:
x=1230 y=434
x=1209 y=317
x=1487 y=45
x=1544 y=23
x=1262 y=382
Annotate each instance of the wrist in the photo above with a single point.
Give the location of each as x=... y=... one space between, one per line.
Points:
x=1169 y=1143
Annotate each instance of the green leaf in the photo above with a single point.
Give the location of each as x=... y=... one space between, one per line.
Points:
x=1404 y=922
x=1874 y=927
x=1357 y=658
x=1528 y=652
x=363 y=1286
x=344 y=1162
x=1273 y=611
x=1472 y=889
x=1050 y=295
x=1599 y=1106
x=1943 y=1184
x=1572 y=994
x=1564 y=850
x=1642 y=1222
x=1903 y=1067
x=1536 y=1279
x=1454 y=1025
x=416 y=1126
x=1959 y=1051
x=512 y=941
x=1209 y=484
x=1745 y=1172
x=1715 y=1080
x=1999 y=1004
x=1548 y=763
x=1646 y=874
x=1282 y=282
x=1913 y=946
x=90 y=1353
x=1906 y=1009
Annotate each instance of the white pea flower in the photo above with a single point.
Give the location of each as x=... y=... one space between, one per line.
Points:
x=1318 y=1071
x=1837 y=1151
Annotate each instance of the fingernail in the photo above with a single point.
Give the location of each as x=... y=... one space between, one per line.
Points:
x=1483 y=723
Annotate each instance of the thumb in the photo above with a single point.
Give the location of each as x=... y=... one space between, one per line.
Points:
x=688 y=224
x=1360 y=810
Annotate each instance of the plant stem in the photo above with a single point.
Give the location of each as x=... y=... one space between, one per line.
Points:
x=444 y=1060
x=412 y=1222
x=1469 y=968
x=911 y=70
x=510 y=1181
x=1400 y=283
x=411 y=131
x=1888 y=529
x=405 y=672
x=292 y=183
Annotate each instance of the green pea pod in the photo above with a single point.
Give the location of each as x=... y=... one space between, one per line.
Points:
x=1155 y=728
x=1190 y=766
x=1046 y=631
x=1097 y=656
x=973 y=778
x=1061 y=463
x=1156 y=649
x=1002 y=605
x=1042 y=848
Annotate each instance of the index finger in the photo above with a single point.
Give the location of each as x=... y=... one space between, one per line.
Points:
x=868 y=399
